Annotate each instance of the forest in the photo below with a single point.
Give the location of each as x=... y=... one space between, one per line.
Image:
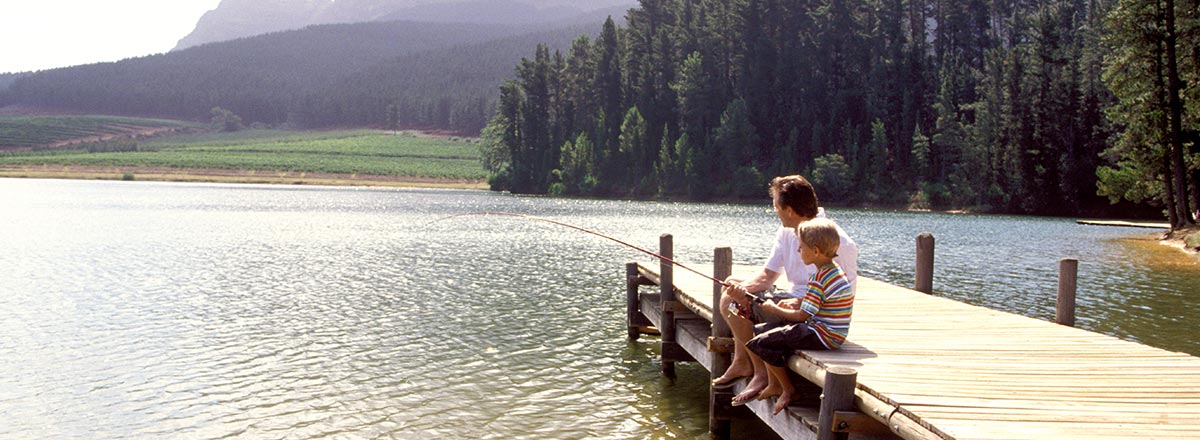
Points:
x=1057 y=107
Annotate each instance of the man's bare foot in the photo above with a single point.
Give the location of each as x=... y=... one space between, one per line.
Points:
x=731 y=375
x=744 y=398
x=782 y=403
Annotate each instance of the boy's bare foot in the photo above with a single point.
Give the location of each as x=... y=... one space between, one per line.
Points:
x=770 y=391
x=782 y=403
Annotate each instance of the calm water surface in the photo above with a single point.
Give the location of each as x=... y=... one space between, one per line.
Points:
x=135 y=310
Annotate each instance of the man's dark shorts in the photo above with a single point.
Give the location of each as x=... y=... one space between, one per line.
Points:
x=774 y=342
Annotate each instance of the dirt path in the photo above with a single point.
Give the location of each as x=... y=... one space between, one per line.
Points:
x=142 y=132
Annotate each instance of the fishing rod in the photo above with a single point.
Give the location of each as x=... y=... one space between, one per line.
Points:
x=577 y=228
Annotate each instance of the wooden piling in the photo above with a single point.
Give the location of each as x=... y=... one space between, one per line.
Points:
x=666 y=248
x=837 y=396
x=631 y=301
x=924 y=272
x=718 y=418
x=1064 y=311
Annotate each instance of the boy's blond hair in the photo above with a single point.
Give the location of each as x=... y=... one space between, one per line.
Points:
x=820 y=234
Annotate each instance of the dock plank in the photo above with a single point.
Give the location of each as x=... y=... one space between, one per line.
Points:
x=966 y=372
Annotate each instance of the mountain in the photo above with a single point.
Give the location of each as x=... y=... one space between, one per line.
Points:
x=234 y=19
x=453 y=89
x=485 y=11
x=438 y=75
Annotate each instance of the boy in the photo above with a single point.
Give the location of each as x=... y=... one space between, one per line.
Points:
x=819 y=322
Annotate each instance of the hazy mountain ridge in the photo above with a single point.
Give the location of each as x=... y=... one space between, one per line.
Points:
x=439 y=75
x=234 y=19
x=469 y=80
x=253 y=76
x=6 y=79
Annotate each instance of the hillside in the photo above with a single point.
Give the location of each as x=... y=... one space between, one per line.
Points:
x=234 y=19
x=452 y=89
x=24 y=133
x=310 y=77
x=6 y=79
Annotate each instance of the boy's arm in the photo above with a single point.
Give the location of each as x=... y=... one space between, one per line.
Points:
x=795 y=315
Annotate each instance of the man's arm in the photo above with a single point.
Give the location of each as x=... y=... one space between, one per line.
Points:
x=739 y=291
x=764 y=279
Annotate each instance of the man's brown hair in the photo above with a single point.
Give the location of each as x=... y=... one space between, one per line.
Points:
x=794 y=191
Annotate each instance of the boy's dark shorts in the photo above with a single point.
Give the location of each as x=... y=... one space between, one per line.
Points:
x=774 y=342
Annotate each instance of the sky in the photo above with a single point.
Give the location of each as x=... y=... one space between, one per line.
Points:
x=45 y=34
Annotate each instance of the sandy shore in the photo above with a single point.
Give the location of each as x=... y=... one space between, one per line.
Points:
x=229 y=176
x=1187 y=240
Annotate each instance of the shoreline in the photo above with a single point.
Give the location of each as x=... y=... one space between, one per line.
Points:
x=1186 y=240
x=208 y=175
x=1179 y=244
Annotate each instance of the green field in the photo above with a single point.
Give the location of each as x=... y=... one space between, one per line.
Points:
x=37 y=131
x=361 y=152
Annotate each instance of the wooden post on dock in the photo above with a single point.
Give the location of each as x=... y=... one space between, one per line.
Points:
x=924 y=276
x=1064 y=311
x=718 y=418
x=666 y=271
x=631 y=301
x=838 y=395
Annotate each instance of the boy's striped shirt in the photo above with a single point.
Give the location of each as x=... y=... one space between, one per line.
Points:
x=829 y=299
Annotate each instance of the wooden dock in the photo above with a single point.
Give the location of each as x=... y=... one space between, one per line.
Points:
x=933 y=368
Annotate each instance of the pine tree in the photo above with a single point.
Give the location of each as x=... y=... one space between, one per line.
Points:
x=1149 y=109
x=509 y=122
x=536 y=124
x=730 y=150
x=636 y=155
x=609 y=98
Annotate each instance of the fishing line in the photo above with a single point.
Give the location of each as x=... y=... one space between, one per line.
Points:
x=577 y=228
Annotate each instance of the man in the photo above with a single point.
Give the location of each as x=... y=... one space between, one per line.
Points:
x=795 y=202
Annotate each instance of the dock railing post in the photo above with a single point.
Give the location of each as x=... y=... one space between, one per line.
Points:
x=838 y=395
x=631 y=301
x=718 y=418
x=924 y=275
x=666 y=248
x=1064 y=310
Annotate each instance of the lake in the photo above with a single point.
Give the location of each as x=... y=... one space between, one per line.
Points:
x=142 y=309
